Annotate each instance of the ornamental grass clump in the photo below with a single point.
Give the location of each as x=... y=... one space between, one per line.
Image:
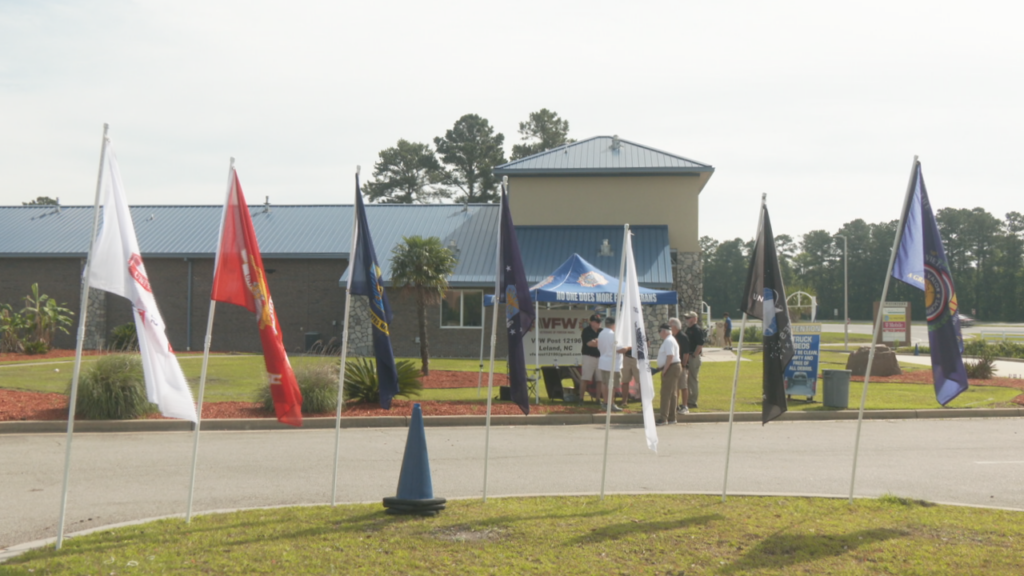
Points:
x=113 y=388
x=982 y=369
x=361 y=380
x=318 y=384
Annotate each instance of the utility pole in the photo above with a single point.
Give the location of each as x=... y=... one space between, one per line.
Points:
x=846 y=296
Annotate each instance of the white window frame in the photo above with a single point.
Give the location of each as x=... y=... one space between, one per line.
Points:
x=462 y=311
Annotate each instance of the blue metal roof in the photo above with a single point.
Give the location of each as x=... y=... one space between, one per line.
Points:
x=326 y=232
x=604 y=155
x=545 y=248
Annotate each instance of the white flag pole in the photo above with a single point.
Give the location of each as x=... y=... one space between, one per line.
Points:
x=480 y=374
x=344 y=348
x=878 y=321
x=206 y=347
x=610 y=396
x=81 y=339
x=739 y=357
x=494 y=337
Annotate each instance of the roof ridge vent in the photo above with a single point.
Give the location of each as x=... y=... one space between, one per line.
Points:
x=616 y=143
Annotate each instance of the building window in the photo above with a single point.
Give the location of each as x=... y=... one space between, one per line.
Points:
x=462 y=309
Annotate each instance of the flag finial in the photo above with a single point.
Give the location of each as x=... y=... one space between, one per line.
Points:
x=358 y=169
x=504 y=180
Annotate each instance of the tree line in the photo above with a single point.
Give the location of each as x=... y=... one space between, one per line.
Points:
x=460 y=165
x=985 y=253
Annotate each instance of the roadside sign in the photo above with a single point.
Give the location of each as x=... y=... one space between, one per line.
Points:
x=801 y=375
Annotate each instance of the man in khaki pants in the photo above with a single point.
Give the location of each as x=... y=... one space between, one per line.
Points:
x=668 y=363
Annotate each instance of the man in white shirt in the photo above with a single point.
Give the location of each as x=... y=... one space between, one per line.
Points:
x=606 y=345
x=671 y=370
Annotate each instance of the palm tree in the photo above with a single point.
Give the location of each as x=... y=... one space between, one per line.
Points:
x=45 y=316
x=422 y=266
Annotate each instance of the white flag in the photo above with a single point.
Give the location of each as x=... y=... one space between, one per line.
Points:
x=117 y=268
x=631 y=332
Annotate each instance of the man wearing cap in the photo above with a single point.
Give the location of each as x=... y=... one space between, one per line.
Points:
x=591 y=356
x=696 y=337
x=671 y=369
x=610 y=371
x=675 y=326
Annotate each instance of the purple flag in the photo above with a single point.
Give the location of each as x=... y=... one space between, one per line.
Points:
x=921 y=263
x=514 y=292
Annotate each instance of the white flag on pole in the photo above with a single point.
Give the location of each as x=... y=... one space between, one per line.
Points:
x=631 y=332
x=117 y=268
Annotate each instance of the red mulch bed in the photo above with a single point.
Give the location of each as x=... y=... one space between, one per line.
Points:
x=19 y=405
x=925 y=377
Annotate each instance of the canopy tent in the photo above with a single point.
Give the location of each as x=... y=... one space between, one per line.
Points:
x=577 y=281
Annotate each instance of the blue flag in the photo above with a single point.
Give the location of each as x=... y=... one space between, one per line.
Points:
x=514 y=292
x=921 y=263
x=365 y=280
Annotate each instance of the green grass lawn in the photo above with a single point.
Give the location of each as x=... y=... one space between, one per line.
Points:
x=634 y=535
x=238 y=377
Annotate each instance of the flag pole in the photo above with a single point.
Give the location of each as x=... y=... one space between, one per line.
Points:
x=206 y=349
x=878 y=321
x=610 y=395
x=736 y=372
x=536 y=351
x=480 y=374
x=344 y=347
x=81 y=339
x=494 y=338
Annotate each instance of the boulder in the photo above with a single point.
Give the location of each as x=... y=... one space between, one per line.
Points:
x=885 y=362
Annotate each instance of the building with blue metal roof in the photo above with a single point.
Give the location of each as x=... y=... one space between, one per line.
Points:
x=573 y=199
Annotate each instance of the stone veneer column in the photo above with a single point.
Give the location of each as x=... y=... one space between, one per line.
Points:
x=360 y=329
x=96 y=321
x=688 y=274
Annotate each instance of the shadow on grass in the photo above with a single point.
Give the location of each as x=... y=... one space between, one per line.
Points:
x=617 y=531
x=782 y=550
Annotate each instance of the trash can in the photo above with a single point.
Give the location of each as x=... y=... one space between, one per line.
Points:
x=311 y=339
x=836 y=388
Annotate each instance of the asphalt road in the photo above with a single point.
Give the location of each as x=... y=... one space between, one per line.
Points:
x=123 y=477
x=919 y=330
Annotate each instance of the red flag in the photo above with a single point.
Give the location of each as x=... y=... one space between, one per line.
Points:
x=239 y=278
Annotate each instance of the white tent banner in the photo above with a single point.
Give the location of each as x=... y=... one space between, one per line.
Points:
x=561 y=337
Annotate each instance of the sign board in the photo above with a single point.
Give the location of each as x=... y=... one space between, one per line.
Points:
x=895 y=323
x=561 y=337
x=801 y=375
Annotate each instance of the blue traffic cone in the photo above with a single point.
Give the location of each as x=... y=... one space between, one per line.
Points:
x=415 y=490
x=917 y=351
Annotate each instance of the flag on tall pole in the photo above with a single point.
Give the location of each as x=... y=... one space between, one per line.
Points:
x=764 y=297
x=365 y=279
x=117 y=267
x=239 y=278
x=631 y=333
x=514 y=292
x=921 y=263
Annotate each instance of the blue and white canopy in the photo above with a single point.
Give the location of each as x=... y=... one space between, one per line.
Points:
x=577 y=281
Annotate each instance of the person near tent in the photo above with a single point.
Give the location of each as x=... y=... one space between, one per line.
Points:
x=629 y=373
x=609 y=372
x=675 y=327
x=671 y=370
x=591 y=358
x=727 y=337
x=695 y=334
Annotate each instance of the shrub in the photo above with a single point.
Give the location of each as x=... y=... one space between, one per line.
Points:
x=124 y=339
x=753 y=334
x=44 y=316
x=982 y=369
x=318 y=383
x=361 y=380
x=113 y=388
x=36 y=347
x=11 y=325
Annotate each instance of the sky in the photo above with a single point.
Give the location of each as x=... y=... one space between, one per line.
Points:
x=822 y=106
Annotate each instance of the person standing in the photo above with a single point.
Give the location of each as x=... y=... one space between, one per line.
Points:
x=727 y=337
x=671 y=370
x=591 y=356
x=610 y=371
x=676 y=329
x=695 y=335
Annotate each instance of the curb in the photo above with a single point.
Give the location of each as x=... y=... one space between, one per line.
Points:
x=243 y=424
